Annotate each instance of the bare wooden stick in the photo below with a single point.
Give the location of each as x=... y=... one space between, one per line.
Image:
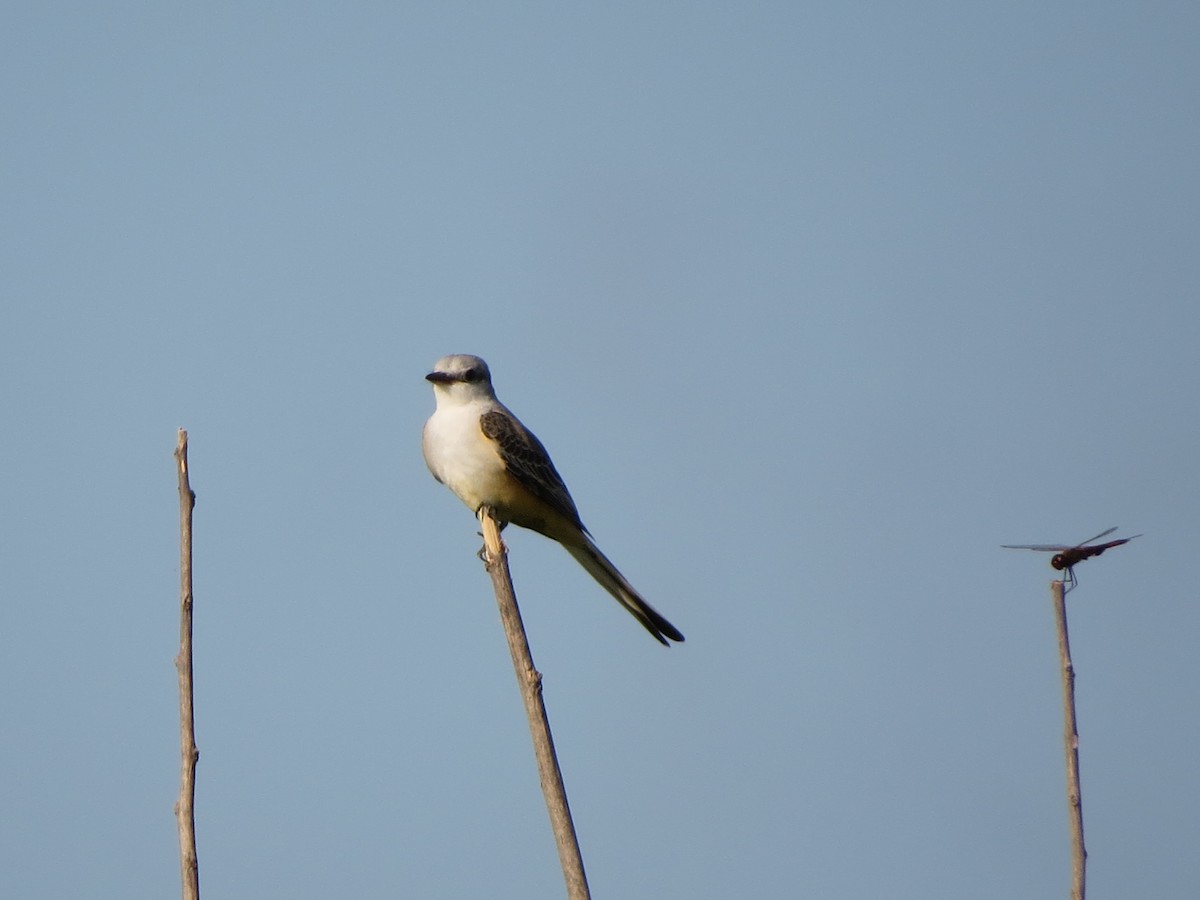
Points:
x=1071 y=742
x=185 y=813
x=530 y=682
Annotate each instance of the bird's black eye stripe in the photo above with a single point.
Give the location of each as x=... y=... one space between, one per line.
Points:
x=471 y=374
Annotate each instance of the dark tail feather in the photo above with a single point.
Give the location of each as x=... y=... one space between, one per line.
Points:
x=600 y=568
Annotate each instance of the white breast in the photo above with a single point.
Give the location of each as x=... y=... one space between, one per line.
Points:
x=460 y=457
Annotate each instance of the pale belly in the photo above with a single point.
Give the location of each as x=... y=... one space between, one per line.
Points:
x=467 y=462
x=460 y=457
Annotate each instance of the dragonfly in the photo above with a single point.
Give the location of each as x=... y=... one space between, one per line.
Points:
x=1065 y=558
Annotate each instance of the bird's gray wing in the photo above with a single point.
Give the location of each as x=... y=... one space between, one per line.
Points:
x=526 y=458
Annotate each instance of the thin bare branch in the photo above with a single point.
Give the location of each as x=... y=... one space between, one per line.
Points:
x=530 y=682
x=1071 y=742
x=185 y=813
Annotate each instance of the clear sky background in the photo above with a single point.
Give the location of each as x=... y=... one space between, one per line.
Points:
x=815 y=305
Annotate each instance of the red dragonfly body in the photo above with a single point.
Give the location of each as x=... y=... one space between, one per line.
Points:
x=1066 y=557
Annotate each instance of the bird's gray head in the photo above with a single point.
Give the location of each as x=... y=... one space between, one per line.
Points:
x=461 y=376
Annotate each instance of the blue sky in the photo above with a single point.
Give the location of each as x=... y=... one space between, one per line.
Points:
x=814 y=306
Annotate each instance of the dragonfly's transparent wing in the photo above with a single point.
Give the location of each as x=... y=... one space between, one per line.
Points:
x=1049 y=548
x=1096 y=538
x=1058 y=548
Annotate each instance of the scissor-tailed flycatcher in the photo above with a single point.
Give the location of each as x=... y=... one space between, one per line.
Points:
x=483 y=453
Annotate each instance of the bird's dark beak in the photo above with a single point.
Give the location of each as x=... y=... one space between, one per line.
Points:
x=439 y=377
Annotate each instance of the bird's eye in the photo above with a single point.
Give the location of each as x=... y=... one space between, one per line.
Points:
x=471 y=375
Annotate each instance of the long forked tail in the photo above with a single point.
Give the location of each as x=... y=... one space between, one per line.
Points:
x=600 y=568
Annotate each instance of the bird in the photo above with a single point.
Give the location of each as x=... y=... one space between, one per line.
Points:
x=478 y=449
